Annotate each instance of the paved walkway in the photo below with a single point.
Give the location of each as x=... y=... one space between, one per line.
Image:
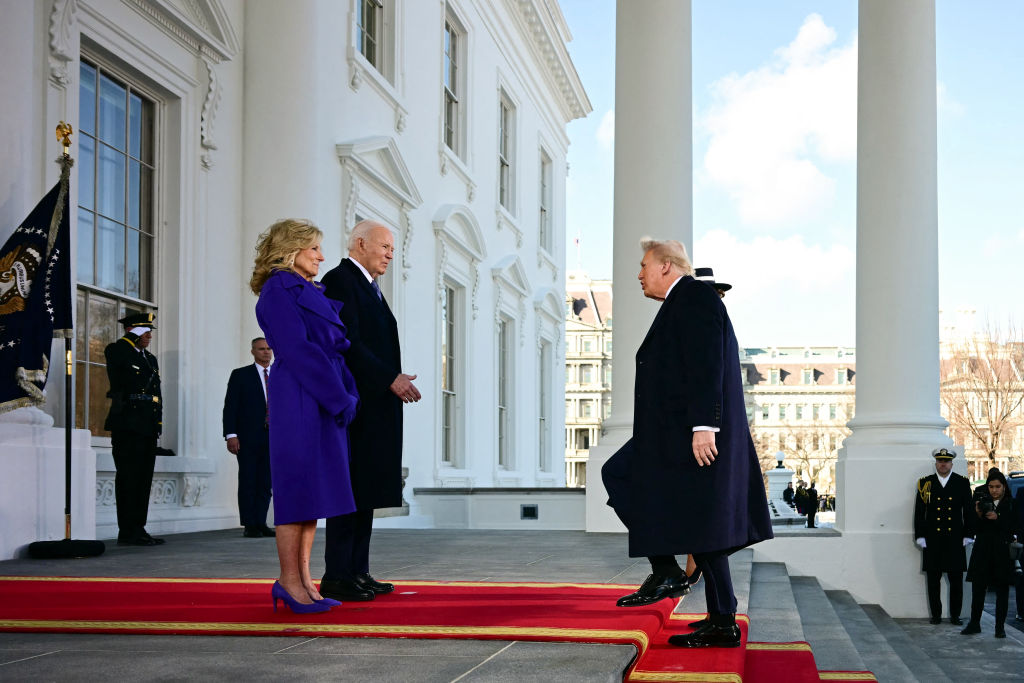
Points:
x=408 y=554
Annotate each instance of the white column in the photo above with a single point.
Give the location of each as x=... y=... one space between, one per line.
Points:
x=897 y=422
x=653 y=195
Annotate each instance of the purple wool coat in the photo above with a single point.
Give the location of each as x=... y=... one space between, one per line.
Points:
x=312 y=398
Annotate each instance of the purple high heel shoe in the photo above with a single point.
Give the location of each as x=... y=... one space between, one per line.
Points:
x=330 y=602
x=278 y=592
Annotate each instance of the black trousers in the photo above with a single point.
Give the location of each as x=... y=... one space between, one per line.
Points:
x=348 y=545
x=810 y=517
x=956 y=593
x=978 y=590
x=1020 y=594
x=253 y=485
x=134 y=459
x=718 y=590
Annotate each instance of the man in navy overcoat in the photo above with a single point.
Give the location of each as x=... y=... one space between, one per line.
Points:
x=246 y=436
x=688 y=481
x=375 y=436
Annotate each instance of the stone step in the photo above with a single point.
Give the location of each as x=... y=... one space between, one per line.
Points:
x=922 y=666
x=831 y=644
x=878 y=655
x=772 y=607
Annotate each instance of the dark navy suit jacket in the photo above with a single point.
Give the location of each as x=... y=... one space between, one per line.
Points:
x=245 y=408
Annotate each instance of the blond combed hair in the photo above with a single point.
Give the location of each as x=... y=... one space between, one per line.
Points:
x=668 y=251
x=278 y=245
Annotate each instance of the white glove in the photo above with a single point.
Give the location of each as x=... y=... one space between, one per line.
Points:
x=968 y=542
x=921 y=542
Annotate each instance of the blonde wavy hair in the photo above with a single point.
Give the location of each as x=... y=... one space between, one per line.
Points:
x=277 y=247
x=668 y=251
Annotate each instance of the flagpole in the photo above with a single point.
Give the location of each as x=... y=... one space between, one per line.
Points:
x=66 y=548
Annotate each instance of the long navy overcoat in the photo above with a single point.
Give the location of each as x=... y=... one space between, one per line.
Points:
x=311 y=399
x=688 y=374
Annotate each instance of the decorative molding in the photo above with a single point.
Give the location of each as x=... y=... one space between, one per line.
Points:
x=164 y=491
x=510 y=276
x=456 y=227
x=105 y=492
x=194 y=489
x=401 y=118
x=522 y=323
x=476 y=288
x=355 y=79
x=353 y=199
x=378 y=160
x=505 y=220
x=201 y=25
x=470 y=190
x=62 y=40
x=407 y=230
x=545 y=259
x=209 y=113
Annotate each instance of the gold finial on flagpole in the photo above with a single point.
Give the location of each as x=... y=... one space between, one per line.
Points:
x=64 y=133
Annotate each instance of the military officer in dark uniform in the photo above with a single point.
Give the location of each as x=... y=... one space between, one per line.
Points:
x=943 y=527
x=134 y=423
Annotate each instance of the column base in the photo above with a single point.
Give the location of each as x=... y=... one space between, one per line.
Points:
x=600 y=517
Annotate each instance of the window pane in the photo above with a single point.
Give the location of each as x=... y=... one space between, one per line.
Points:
x=110 y=255
x=145 y=200
x=134 y=192
x=147 y=134
x=80 y=346
x=81 y=382
x=102 y=328
x=99 y=404
x=132 y=272
x=135 y=126
x=87 y=99
x=113 y=103
x=110 y=197
x=85 y=241
x=86 y=171
x=145 y=267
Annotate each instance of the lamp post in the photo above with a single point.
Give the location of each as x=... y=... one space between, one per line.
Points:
x=780 y=456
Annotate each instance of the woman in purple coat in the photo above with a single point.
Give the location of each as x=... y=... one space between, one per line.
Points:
x=311 y=399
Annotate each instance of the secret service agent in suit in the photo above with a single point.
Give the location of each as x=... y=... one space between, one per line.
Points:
x=943 y=527
x=135 y=422
x=688 y=481
x=246 y=435
x=812 y=505
x=375 y=435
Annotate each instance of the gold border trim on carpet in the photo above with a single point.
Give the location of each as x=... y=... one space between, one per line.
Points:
x=846 y=676
x=685 y=677
x=693 y=616
x=780 y=647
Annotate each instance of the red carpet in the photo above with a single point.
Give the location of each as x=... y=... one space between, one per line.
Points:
x=417 y=609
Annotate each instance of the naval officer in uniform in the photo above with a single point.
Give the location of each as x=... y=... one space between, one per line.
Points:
x=943 y=527
x=135 y=421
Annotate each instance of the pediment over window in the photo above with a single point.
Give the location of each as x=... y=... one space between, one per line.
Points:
x=379 y=161
x=202 y=23
x=547 y=302
x=510 y=272
x=456 y=224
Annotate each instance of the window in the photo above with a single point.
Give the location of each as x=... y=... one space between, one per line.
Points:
x=582 y=439
x=608 y=345
x=607 y=409
x=608 y=375
x=808 y=376
x=544 y=219
x=832 y=409
x=841 y=376
x=504 y=392
x=369 y=24
x=588 y=345
x=782 y=412
x=586 y=408
x=799 y=412
x=116 y=237
x=773 y=376
x=815 y=411
x=506 y=151
x=452 y=83
x=586 y=374
x=764 y=411
x=568 y=374
x=448 y=328
x=543 y=380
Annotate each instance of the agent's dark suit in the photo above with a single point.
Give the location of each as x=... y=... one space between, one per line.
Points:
x=245 y=415
x=687 y=375
x=812 y=505
x=135 y=422
x=375 y=436
x=944 y=516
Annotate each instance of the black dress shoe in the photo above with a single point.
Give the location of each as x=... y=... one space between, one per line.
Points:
x=655 y=588
x=156 y=541
x=1000 y=633
x=267 y=532
x=935 y=620
x=136 y=540
x=971 y=629
x=345 y=589
x=373 y=585
x=709 y=636
x=956 y=621
x=252 y=532
x=700 y=624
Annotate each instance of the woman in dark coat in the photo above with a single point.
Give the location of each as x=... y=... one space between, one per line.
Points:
x=311 y=399
x=990 y=560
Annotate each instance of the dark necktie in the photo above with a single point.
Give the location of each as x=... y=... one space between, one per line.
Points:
x=376 y=290
x=266 y=393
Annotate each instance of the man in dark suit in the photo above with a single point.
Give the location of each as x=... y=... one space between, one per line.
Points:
x=688 y=481
x=375 y=457
x=812 y=505
x=943 y=527
x=135 y=422
x=245 y=432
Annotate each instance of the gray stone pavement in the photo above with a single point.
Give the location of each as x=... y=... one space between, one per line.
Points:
x=405 y=554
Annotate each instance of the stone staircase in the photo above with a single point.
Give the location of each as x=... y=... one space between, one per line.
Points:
x=847 y=636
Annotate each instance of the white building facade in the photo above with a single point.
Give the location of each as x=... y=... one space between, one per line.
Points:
x=200 y=123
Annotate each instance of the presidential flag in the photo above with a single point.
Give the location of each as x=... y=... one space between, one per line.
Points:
x=35 y=297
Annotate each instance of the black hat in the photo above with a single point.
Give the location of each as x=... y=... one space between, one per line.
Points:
x=139 y=320
x=943 y=454
x=708 y=275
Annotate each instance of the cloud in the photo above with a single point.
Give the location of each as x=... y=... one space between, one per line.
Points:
x=773 y=131
x=785 y=291
x=606 y=130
